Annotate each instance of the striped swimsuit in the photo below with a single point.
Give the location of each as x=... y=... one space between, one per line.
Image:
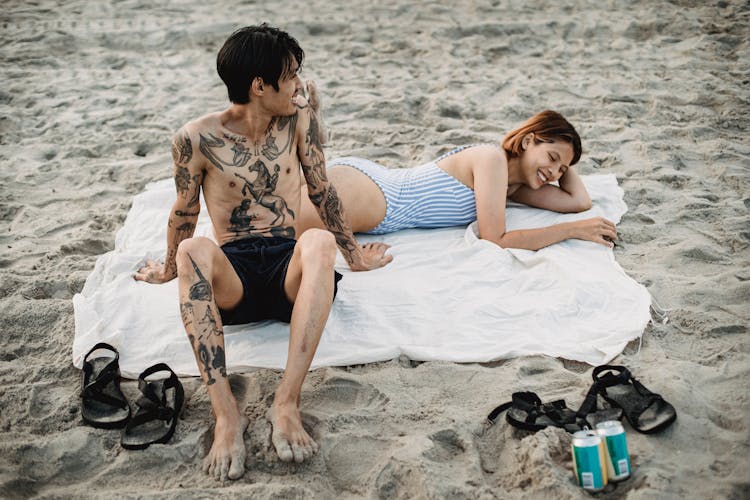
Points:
x=424 y=196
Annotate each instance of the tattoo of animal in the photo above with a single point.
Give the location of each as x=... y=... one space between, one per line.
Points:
x=202 y=289
x=262 y=189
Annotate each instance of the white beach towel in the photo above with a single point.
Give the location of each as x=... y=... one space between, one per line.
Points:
x=447 y=295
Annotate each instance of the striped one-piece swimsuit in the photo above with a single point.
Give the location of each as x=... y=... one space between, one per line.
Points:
x=419 y=197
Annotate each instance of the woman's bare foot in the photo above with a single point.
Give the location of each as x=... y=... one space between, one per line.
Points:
x=313 y=98
x=289 y=438
x=227 y=456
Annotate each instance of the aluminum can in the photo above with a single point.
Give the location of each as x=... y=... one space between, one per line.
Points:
x=618 y=459
x=589 y=460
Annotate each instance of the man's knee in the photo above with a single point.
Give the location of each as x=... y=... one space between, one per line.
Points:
x=193 y=252
x=317 y=247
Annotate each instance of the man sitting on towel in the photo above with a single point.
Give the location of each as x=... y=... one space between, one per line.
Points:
x=247 y=160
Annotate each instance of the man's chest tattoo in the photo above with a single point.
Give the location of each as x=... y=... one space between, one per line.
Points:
x=257 y=174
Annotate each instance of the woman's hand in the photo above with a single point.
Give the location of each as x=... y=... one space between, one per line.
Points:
x=597 y=229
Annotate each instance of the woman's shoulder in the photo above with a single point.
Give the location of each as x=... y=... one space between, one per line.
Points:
x=474 y=151
x=485 y=156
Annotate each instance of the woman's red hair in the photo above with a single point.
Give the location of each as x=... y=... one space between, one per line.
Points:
x=546 y=126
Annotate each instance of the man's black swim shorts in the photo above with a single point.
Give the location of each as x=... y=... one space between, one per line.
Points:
x=261 y=264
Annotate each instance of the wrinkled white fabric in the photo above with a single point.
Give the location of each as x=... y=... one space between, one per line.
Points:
x=447 y=295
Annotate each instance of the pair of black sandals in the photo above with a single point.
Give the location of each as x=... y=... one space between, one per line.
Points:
x=104 y=405
x=646 y=411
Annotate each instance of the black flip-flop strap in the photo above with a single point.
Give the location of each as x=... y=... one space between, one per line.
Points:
x=106 y=375
x=492 y=417
x=526 y=401
x=530 y=403
x=621 y=375
x=644 y=404
x=90 y=393
x=154 y=391
x=95 y=389
x=149 y=413
x=589 y=404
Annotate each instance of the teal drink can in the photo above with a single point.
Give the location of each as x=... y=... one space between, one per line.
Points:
x=589 y=461
x=618 y=459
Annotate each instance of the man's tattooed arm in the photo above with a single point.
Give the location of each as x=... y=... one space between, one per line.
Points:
x=323 y=195
x=188 y=178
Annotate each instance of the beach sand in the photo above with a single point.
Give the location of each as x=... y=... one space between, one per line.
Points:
x=91 y=92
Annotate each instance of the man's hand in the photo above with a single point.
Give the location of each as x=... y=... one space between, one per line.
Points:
x=373 y=257
x=152 y=272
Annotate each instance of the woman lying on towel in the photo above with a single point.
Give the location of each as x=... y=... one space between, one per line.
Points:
x=473 y=183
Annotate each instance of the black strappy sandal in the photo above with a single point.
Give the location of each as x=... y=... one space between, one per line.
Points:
x=104 y=405
x=526 y=411
x=158 y=410
x=646 y=411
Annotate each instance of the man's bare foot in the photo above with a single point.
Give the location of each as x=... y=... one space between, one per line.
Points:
x=289 y=438
x=313 y=98
x=227 y=456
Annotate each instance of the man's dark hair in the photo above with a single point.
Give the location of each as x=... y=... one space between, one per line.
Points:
x=256 y=51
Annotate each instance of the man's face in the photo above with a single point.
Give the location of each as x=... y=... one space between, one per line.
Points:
x=282 y=102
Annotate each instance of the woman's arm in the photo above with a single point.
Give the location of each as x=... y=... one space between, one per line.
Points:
x=570 y=197
x=596 y=229
x=490 y=173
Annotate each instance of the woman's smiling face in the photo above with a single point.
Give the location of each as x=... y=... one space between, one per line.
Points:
x=544 y=162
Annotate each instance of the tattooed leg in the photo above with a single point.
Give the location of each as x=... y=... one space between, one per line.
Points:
x=196 y=268
x=309 y=283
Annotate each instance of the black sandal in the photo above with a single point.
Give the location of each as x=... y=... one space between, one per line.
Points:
x=158 y=410
x=646 y=411
x=526 y=411
x=104 y=405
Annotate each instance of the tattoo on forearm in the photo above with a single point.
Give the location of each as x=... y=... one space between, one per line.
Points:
x=183 y=231
x=322 y=193
x=180 y=213
x=332 y=215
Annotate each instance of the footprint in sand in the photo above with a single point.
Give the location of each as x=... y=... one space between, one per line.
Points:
x=400 y=480
x=447 y=445
x=340 y=395
x=352 y=461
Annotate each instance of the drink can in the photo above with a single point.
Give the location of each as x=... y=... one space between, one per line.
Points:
x=618 y=460
x=589 y=461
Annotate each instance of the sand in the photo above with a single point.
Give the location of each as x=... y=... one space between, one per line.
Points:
x=92 y=91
